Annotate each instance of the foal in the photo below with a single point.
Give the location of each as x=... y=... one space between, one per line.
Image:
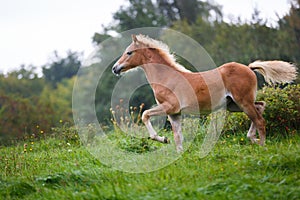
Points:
x=178 y=90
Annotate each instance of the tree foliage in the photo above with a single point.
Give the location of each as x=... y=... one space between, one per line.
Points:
x=30 y=105
x=61 y=68
x=28 y=100
x=159 y=13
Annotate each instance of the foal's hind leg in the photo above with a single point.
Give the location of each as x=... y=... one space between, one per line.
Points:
x=260 y=107
x=258 y=122
x=176 y=126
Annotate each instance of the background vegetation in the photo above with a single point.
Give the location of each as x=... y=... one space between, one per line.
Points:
x=28 y=99
x=37 y=133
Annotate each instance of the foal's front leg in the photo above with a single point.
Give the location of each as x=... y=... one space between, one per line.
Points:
x=156 y=111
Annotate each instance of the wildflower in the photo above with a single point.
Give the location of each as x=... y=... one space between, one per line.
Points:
x=235 y=163
x=61 y=121
x=32 y=143
x=25 y=148
x=242 y=139
x=42 y=131
x=37 y=126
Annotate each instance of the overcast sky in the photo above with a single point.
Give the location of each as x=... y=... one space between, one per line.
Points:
x=30 y=30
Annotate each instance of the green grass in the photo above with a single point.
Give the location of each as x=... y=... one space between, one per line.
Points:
x=54 y=168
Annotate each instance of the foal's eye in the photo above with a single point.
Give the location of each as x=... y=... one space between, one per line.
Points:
x=129 y=53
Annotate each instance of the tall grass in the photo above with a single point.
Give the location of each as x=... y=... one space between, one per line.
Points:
x=58 y=167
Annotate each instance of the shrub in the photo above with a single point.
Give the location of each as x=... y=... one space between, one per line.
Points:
x=283 y=106
x=281 y=114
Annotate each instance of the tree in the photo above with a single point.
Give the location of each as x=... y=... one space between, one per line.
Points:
x=61 y=68
x=23 y=82
x=290 y=25
x=189 y=10
x=140 y=13
x=159 y=13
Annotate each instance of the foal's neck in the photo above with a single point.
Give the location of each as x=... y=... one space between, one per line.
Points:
x=160 y=68
x=163 y=59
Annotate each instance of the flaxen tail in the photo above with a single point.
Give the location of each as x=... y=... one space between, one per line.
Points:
x=275 y=71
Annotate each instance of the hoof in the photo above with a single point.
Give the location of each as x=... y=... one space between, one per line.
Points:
x=160 y=139
x=258 y=141
x=179 y=150
x=166 y=140
x=254 y=140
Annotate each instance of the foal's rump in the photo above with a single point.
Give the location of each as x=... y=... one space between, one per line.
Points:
x=241 y=82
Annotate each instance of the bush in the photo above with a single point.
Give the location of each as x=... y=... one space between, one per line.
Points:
x=281 y=114
x=20 y=116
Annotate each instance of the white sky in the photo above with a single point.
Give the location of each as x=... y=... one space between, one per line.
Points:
x=30 y=30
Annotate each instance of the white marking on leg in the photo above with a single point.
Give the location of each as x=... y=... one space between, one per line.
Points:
x=153 y=134
x=252 y=133
x=176 y=126
x=260 y=107
x=158 y=110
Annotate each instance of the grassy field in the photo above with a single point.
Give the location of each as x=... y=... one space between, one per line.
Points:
x=55 y=168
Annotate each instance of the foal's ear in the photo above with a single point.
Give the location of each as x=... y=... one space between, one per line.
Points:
x=134 y=39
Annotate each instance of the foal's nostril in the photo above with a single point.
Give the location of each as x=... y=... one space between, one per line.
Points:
x=115 y=70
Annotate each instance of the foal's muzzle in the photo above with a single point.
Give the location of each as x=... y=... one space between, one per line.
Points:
x=117 y=69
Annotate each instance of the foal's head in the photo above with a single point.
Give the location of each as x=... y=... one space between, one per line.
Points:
x=141 y=51
x=133 y=56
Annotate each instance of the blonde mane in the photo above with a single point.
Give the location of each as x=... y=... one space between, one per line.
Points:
x=163 y=49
